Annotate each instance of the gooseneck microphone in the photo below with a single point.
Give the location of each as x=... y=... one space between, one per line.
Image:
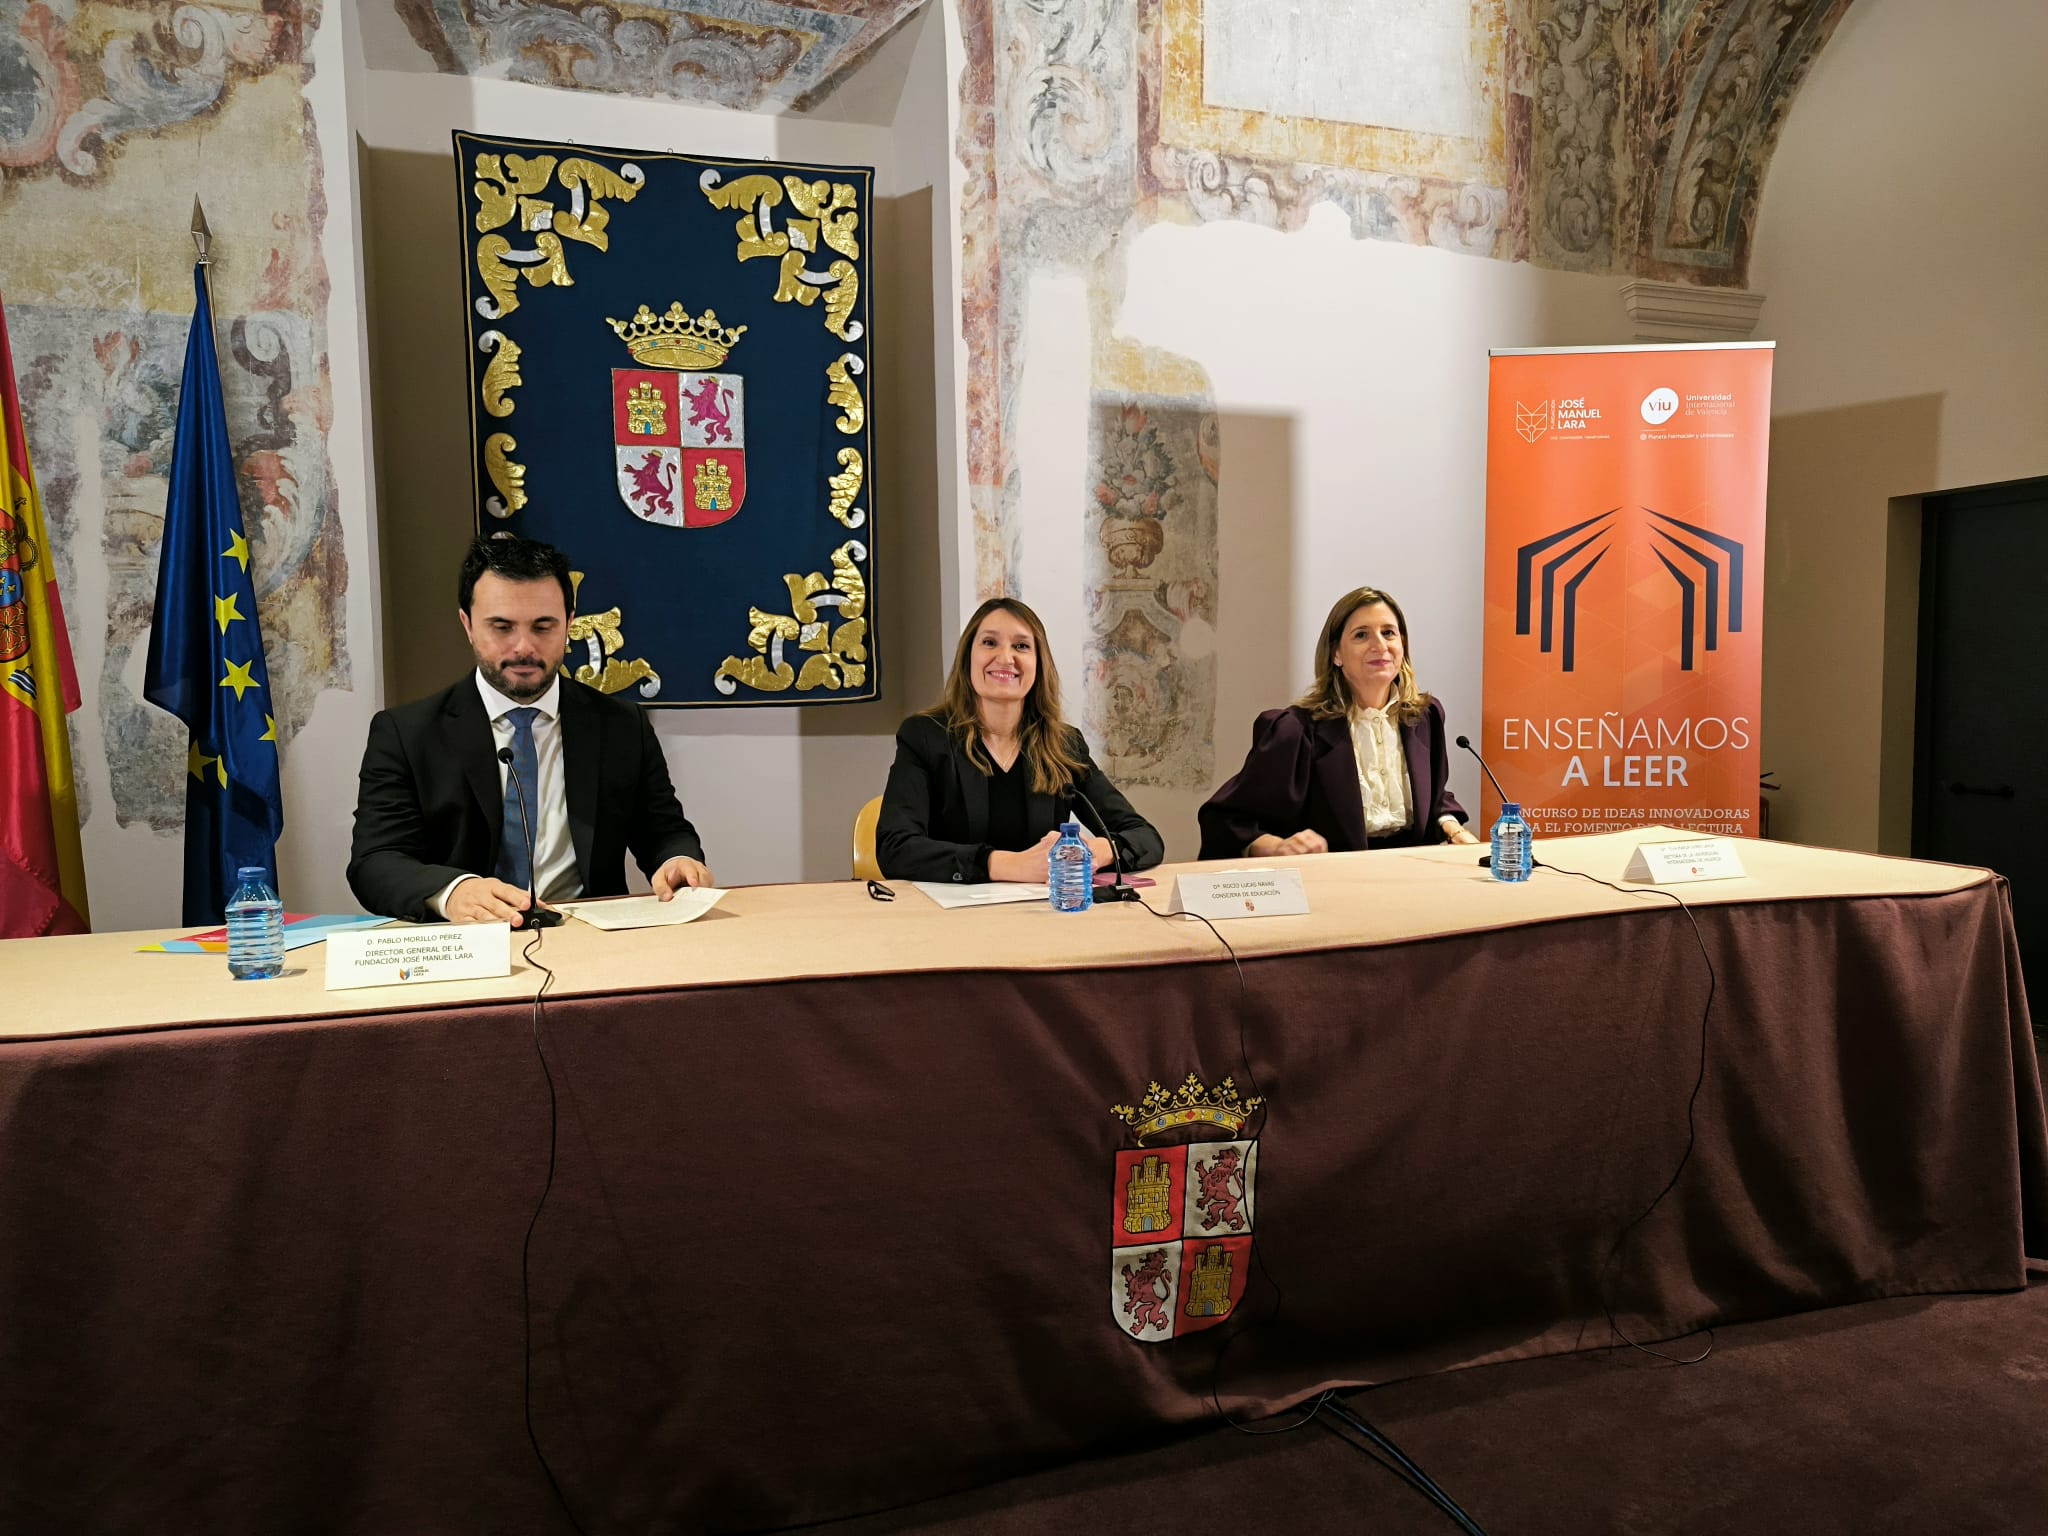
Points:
x=1486 y=859
x=1117 y=891
x=537 y=916
x=1466 y=743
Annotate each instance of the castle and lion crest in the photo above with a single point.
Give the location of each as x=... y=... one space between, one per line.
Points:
x=678 y=425
x=1181 y=1215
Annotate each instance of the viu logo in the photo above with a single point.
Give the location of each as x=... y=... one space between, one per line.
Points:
x=1659 y=406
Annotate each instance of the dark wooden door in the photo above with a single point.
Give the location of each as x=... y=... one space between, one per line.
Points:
x=1980 y=780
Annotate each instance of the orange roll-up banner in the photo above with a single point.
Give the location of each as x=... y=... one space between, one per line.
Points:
x=1624 y=585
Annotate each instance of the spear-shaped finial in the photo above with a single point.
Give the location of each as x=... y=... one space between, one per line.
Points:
x=201 y=235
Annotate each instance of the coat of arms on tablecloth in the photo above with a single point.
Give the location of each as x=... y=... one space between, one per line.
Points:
x=678 y=428
x=1181 y=1215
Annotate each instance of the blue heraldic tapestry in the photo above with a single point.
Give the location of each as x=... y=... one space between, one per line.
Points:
x=668 y=360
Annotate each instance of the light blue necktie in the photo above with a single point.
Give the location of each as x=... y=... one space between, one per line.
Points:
x=515 y=867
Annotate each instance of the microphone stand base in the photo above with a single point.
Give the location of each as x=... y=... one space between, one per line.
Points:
x=541 y=917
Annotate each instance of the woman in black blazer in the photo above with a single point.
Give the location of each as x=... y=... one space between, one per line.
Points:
x=1302 y=788
x=983 y=779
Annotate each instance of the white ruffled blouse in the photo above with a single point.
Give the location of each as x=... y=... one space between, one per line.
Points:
x=1382 y=771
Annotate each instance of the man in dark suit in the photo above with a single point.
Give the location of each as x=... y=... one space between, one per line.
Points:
x=439 y=824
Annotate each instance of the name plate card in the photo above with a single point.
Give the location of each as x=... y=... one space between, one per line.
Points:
x=1240 y=893
x=394 y=957
x=1699 y=858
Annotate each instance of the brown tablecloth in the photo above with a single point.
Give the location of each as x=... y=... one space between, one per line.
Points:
x=834 y=1242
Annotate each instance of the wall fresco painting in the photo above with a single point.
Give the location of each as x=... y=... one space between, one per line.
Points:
x=1583 y=135
x=111 y=117
x=1150 y=689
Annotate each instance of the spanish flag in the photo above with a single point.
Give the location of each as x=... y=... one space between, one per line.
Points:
x=42 y=871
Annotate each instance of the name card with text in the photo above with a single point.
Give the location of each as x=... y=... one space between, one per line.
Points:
x=1698 y=858
x=1240 y=893
x=394 y=957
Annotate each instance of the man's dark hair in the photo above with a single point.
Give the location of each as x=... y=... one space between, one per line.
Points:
x=515 y=559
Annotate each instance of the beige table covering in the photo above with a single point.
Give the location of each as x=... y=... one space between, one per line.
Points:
x=99 y=983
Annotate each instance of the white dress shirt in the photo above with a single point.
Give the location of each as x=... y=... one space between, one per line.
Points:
x=554 y=854
x=1383 y=785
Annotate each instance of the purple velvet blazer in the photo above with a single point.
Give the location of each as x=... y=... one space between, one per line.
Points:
x=1302 y=774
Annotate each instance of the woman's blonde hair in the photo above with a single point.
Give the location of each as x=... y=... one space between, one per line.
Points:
x=1041 y=733
x=1329 y=696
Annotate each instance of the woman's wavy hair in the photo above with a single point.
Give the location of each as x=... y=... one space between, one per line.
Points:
x=1041 y=734
x=1329 y=696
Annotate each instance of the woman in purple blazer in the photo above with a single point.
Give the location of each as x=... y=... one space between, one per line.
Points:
x=1358 y=761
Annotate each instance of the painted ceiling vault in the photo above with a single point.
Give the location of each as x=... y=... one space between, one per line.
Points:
x=753 y=55
x=1591 y=135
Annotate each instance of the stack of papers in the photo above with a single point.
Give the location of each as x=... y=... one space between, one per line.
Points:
x=993 y=894
x=686 y=906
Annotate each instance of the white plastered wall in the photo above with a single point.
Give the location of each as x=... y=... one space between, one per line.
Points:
x=1350 y=385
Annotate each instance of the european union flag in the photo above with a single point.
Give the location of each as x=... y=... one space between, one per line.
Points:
x=206 y=650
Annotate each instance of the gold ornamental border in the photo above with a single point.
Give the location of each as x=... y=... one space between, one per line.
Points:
x=855 y=419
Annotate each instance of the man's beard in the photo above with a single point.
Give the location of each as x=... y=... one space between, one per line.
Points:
x=525 y=693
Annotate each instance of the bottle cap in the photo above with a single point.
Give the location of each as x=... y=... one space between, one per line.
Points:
x=1510 y=808
x=1073 y=825
x=250 y=872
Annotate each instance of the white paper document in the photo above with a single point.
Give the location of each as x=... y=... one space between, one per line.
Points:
x=994 y=894
x=686 y=906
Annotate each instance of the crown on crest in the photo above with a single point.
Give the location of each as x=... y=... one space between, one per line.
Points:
x=675 y=340
x=1193 y=1103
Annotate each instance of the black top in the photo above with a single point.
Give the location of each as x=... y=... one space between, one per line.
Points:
x=938 y=811
x=1009 y=824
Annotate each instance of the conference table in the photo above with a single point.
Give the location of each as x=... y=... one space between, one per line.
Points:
x=832 y=1207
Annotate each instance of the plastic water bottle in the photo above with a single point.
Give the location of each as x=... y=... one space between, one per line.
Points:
x=1072 y=871
x=1511 y=851
x=255 y=927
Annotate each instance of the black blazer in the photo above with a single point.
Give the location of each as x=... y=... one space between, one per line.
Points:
x=934 y=823
x=429 y=805
x=1302 y=774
